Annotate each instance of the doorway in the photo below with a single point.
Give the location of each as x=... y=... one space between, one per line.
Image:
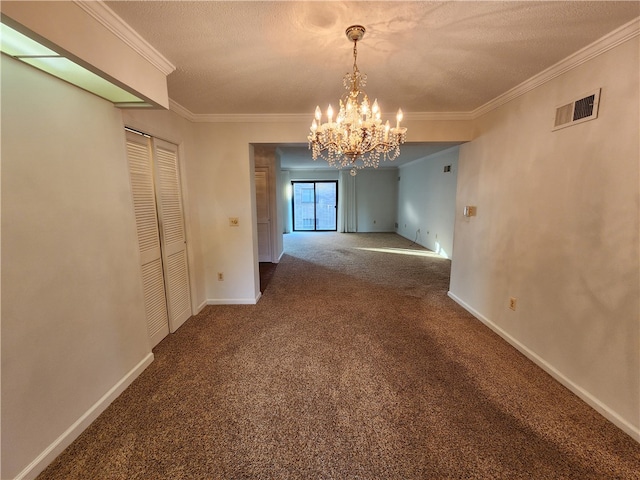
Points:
x=315 y=206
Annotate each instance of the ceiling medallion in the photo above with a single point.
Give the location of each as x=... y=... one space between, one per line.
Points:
x=357 y=138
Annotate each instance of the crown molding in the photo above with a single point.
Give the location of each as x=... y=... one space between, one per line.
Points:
x=297 y=117
x=604 y=44
x=180 y=110
x=236 y=118
x=611 y=40
x=112 y=22
x=252 y=117
x=436 y=116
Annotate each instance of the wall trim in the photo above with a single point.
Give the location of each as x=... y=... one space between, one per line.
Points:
x=298 y=117
x=64 y=440
x=178 y=109
x=234 y=301
x=604 y=44
x=201 y=307
x=601 y=408
x=112 y=22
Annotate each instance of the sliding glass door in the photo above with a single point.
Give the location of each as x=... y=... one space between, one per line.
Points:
x=315 y=206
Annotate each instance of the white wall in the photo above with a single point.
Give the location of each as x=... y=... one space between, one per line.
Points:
x=376 y=199
x=557 y=226
x=73 y=319
x=427 y=201
x=226 y=189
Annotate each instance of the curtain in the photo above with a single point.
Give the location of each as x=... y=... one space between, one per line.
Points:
x=285 y=182
x=347 y=196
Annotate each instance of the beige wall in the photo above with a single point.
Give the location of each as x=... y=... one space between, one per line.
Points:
x=557 y=227
x=225 y=189
x=427 y=201
x=376 y=200
x=73 y=319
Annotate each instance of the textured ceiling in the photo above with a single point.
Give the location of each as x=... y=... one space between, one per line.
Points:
x=265 y=57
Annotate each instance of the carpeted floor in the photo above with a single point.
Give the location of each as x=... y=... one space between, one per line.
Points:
x=266 y=273
x=354 y=365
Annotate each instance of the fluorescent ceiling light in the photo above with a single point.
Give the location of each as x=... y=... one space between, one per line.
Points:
x=27 y=50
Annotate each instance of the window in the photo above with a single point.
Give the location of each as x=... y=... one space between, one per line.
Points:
x=314 y=206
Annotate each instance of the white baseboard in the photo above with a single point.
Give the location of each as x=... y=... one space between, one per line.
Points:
x=64 y=440
x=234 y=301
x=200 y=307
x=604 y=410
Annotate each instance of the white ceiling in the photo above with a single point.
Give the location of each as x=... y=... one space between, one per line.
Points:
x=286 y=57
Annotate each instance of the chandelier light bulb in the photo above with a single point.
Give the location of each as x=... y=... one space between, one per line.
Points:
x=357 y=139
x=365 y=106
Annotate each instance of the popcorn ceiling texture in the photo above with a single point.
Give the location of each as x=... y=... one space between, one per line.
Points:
x=286 y=57
x=354 y=364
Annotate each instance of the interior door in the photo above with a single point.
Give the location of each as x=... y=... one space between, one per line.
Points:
x=264 y=214
x=172 y=231
x=144 y=204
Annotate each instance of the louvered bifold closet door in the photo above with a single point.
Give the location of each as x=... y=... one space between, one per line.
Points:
x=174 y=246
x=144 y=204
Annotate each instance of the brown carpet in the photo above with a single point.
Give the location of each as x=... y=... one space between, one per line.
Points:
x=354 y=365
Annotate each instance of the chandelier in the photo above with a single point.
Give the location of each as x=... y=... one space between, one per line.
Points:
x=356 y=138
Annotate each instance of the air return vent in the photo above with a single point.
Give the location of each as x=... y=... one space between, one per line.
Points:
x=578 y=111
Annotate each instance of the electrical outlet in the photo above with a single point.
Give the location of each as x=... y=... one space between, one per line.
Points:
x=512 y=303
x=234 y=222
x=220 y=277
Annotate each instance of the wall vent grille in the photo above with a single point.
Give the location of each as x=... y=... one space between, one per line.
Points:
x=579 y=110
